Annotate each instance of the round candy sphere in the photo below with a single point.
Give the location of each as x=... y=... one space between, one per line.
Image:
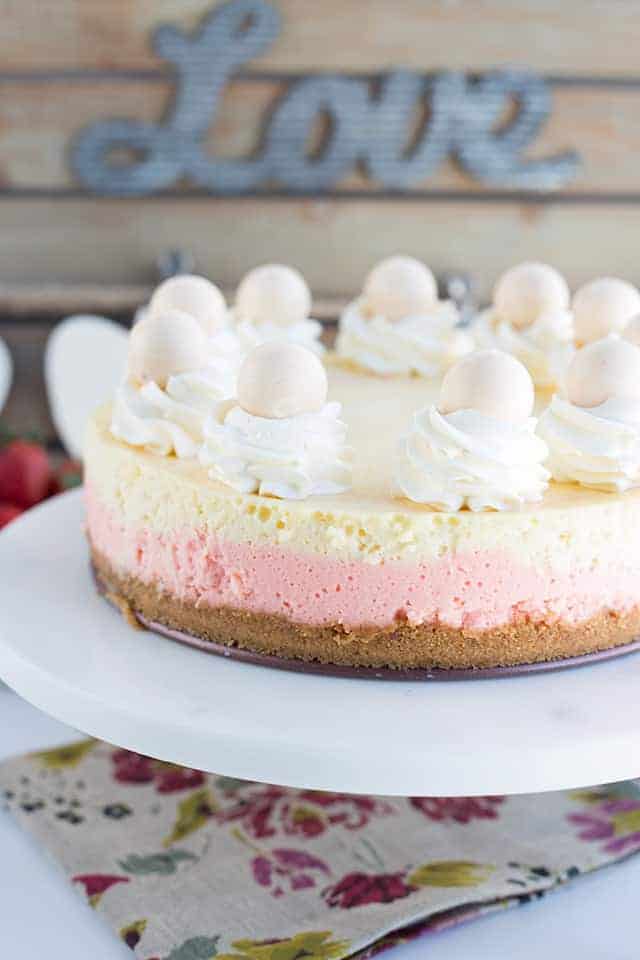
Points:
x=196 y=296
x=278 y=380
x=603 y=306
x=273 y=294
x=526 y=291
x=399 y=287
x=602 y=370
x=632 y=330
x=491 y=382
x=164 y=344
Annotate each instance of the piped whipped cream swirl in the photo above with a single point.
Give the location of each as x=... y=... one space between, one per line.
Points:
x=597 y=447
x=171 y=420
x=305 y=333
x=469 y=459
x=291 y=458
x=545 y=347
x=426 y=345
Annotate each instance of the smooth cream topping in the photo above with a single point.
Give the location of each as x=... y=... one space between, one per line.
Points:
x=399 y=287
x=469 y=459
x=170 y=420
x=607 y=368
x=427 y=344
x=281 y=380
x=545 y=347
x=524 y=292
x=291 y=458
x=603 y=306
x=598 y=447
x=490 y=381
x=194 y=295
x=273 y=293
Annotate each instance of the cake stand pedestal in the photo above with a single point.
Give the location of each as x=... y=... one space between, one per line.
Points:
x=68 y=652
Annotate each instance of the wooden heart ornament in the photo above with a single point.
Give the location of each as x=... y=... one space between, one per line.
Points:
x=85 y=359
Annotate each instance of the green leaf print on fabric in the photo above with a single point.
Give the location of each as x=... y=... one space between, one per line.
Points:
x=196 y=948
x=163 y=863
x=450 y=873
x=610 y=792
x=68 y=756
x=310 y=946
x=193 y=812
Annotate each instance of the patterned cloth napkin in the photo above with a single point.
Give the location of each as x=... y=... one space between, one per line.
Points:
x=184 y=865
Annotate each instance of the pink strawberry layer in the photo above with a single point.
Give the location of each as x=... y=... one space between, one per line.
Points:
x=473 y=590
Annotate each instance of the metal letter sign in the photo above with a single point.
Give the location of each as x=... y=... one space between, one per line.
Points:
x=370 y=123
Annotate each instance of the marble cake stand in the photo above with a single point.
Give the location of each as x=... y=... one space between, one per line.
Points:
x=69 y=653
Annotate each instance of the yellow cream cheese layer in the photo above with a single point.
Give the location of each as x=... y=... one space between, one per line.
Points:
x=572 y=529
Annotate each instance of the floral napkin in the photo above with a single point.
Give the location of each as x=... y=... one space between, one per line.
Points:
x=184 y=865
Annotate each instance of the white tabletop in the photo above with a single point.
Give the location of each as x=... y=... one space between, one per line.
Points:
x=41 y=916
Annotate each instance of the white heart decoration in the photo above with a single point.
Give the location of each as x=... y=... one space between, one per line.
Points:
x=85 y=359
x=6 y=373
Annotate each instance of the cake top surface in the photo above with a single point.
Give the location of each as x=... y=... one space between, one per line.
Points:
x=376 y=411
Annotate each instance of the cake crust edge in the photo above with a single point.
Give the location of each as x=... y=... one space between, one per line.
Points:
x=402 y=646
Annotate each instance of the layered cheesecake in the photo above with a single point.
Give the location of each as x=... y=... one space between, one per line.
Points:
x=393 y=522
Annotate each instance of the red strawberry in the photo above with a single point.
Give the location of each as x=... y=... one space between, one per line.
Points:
x=25 y=473
x=8 y=512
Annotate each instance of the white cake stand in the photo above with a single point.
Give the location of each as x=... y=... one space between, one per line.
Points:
x=67 y=651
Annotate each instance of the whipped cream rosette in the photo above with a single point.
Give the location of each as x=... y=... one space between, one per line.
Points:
x=478 y=447
x=171 y=386
x=545 y=348
x=273 y=303
x=281 y=438
x=530 y=319
x=593 y=434
x=426 y=344
x=398 y=325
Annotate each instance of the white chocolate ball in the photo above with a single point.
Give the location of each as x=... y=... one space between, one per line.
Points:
x=273 y=294
x=526 y=291
x=602 y=370
x=632 y=330
x=491 y=382
x=196 y=296
x=278 y=380
x=164 y=344
x=603 y=306
x=399 y=287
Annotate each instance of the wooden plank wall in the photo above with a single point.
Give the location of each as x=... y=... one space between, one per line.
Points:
x=65 y=63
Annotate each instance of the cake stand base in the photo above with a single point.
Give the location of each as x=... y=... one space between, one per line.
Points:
x=64 y=649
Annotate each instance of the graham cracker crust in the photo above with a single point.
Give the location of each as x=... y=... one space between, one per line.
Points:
x=403 y=646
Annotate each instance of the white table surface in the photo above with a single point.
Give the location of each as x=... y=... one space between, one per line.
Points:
x=41 y=916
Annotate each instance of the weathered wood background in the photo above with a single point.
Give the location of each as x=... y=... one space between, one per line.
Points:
x=65 y=63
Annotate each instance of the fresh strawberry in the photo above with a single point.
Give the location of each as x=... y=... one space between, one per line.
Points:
x=25 y=473
x=8 y=512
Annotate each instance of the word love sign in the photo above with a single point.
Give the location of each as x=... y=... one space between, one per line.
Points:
x=371 y=123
